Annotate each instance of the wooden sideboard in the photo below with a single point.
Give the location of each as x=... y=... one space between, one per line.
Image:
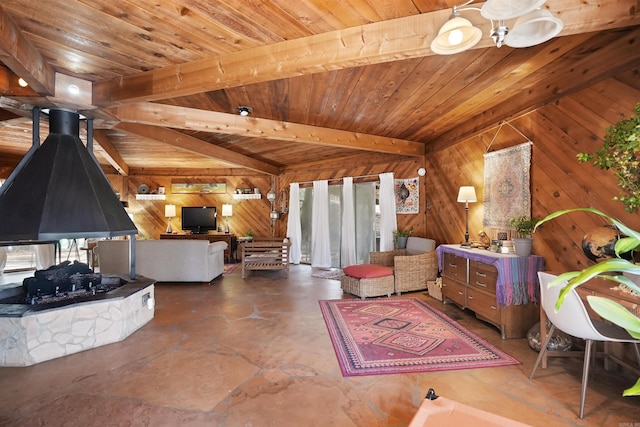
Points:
x=230 y=254
x=500 y=289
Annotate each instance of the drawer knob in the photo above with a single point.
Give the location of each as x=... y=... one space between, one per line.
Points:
x=480 y=274
x=482 y=285
x=470 y=297
x=493 y=307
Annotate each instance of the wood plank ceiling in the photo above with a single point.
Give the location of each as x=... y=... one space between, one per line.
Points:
x=326 y=80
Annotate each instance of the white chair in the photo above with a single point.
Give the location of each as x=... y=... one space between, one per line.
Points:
x=573 y=319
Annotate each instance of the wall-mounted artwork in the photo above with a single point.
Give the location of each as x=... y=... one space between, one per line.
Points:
x=407 y=196
x=506 y=185
x=198 y=188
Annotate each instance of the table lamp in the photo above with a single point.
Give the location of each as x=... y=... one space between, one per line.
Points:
x=227 y=211
x=169 y=212
x=466 y=195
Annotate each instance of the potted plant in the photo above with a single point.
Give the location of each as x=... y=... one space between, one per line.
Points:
x=524 y=226
x=609 y=269
x=401 y=237
x=248 y=237
x=620 y=151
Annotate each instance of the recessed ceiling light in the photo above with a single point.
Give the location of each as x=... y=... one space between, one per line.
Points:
x=73 y=89
x=244 y=111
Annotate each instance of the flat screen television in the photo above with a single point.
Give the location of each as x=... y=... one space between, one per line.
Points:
x=198 y=219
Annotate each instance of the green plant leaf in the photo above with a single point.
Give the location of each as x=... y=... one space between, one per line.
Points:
x=616 y=314
x=623 y=228
x=633 y=391
x=577 y=278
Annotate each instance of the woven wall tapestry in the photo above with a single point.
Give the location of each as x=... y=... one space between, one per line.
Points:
x=410 y=205
x=506 y=185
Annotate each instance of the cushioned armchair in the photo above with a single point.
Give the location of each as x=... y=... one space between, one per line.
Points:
x=412 y=266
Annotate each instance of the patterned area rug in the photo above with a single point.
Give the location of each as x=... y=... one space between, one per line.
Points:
x=402 y=335
x=230 y=268
x=327 y=274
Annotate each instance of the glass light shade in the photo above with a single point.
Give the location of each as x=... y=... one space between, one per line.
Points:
x=170 y=211
x=534 y=28
x=497 y=10
x=467 y=194
x=227 y=210
x=456 y=35
x=271 y=196
x=274 y=215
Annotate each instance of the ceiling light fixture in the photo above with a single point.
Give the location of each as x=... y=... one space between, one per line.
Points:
x=22 y=82
x=244 y=111
x=532 y=27
x=74 y=89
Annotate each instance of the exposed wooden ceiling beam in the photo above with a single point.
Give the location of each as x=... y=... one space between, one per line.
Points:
x=214 y=122
x=396 y=39
x=180 y=140
x=110 y=152
x=23 y=58
x=195 y=172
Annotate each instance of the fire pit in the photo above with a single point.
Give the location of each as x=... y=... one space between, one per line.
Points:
x=66 y=281
x=36 y=326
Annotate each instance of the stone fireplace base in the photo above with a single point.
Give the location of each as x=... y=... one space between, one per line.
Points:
x=32 y=334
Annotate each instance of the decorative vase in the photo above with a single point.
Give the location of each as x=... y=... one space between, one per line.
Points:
x=522 y=247
x=401 y=242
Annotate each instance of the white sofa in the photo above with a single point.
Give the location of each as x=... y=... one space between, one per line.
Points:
x=164 y=260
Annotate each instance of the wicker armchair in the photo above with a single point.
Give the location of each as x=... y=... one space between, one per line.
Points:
x=411 y=272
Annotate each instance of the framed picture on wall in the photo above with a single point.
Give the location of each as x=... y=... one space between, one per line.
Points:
x=198 y=188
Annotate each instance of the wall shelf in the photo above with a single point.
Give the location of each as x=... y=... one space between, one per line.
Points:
x=246 y=196
x=151 y=196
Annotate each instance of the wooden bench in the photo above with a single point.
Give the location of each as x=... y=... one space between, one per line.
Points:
x=267 y=254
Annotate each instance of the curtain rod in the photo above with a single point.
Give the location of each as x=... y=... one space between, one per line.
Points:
x=338 y=179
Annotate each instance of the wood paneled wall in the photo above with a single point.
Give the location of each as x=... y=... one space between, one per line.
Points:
x=148 y=215
x=576 y=123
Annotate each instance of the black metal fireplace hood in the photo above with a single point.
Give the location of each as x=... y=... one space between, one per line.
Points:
x=58 y=191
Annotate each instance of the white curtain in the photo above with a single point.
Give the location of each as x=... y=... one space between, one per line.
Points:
x=3 y=259
x=348 y=243
x=320 y=242
x=45 y=257
x=388 y=222
x=294 y=229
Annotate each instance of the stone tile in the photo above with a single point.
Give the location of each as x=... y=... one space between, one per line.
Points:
x=256 y=352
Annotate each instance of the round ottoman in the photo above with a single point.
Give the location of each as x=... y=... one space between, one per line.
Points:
x=367 y=280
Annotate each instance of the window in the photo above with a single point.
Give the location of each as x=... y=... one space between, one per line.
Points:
x=366 y=221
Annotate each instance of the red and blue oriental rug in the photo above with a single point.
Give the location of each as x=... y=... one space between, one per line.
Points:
x=402 y=335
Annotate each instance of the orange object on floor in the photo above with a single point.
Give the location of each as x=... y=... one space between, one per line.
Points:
x=443 y=412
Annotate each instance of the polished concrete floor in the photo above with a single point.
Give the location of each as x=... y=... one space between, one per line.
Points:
x=256 y=352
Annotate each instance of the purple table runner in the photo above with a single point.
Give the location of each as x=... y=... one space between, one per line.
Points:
x=517 y=276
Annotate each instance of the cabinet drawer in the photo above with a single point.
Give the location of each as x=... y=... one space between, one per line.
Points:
x=455 y=266
x=483 y=276
x=454 y=291
x=484 y=305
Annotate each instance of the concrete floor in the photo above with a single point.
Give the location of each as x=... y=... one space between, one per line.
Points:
x=256 y=352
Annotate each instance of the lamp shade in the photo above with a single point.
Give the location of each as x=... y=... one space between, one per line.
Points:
x=227 y=210
x=456 y=35
x=170 y=211
x=534 y=28
x=467 y=194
